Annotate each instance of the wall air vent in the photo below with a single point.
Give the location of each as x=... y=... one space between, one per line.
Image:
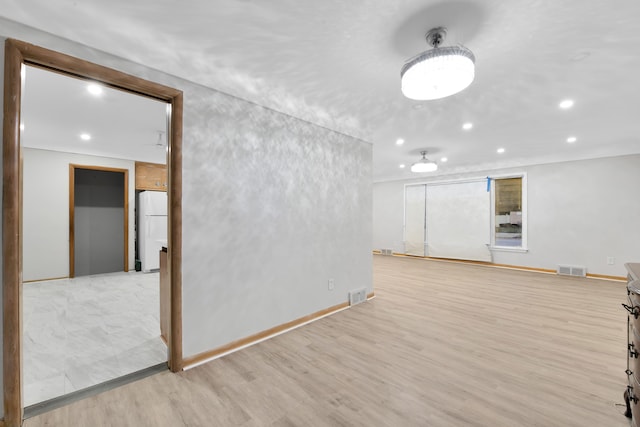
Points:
x=386 y=251
x=572 y=270
x=357 y=296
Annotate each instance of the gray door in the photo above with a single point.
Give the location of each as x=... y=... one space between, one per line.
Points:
x=99 y=217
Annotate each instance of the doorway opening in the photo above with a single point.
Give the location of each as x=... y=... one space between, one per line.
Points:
x=98 y=220
x=17 y=56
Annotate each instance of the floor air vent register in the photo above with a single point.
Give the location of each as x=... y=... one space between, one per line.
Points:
x=357 y=296
x=572 y=270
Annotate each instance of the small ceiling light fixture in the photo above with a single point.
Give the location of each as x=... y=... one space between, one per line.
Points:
x=85 y=136
x=399 y=141
x=424 y=164
x=444 y=160
x=467 y=126
x=566 y=104
x=402 y=166
x=438 y=72
x=572 y=139
x=94 y=89
x=500 y=150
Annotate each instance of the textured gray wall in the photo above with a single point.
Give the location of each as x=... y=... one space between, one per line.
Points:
x=273 y=207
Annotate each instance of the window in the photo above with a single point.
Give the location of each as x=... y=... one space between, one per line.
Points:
x=509 y=212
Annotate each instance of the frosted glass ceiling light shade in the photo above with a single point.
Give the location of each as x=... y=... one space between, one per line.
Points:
x=424 y=165
x=439 y=72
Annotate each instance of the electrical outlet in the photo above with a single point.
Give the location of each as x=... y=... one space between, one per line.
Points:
x=611 y=260
x=331 y=284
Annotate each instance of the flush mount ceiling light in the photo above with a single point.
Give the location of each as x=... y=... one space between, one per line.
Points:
x=438 y=72
x=424 y=165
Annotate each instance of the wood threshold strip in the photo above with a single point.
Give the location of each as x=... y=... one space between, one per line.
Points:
x=192 y=361
x=513 y=267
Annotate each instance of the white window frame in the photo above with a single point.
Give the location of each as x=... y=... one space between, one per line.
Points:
x=525 y=217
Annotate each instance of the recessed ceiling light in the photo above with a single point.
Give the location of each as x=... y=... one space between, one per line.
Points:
x=567 y=103
x=500 y=150
x=572 y=139
x=579 y=56
x=467 y=126
x=444 y=159
x=399 y=141
x=85 y=136
x=94 y=89
x=402 y=166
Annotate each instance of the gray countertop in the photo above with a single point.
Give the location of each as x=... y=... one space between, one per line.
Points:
x=634 y=269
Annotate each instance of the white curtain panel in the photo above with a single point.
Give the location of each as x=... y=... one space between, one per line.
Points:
x=458 y=221
x=414 y=219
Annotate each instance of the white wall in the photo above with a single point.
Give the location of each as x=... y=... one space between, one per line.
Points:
x=579 y=213
x=46 y=210
x=273 y=207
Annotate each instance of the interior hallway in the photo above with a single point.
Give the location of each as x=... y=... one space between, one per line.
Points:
x=442 y=344
x=87 y=330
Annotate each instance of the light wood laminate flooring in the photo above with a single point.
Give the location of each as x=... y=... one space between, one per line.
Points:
x=442 y=344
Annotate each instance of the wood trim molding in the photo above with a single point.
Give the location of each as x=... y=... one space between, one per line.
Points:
x=520 y=267
x=72 y=221
x=12 y=238
x=72 y=211
x=18 y=53
x=514 y=267
x=607 y=277
x=174 y=251
x=253 y=339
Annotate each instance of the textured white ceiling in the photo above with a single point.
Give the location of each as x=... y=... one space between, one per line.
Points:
x=57 y=109
x=337 y=64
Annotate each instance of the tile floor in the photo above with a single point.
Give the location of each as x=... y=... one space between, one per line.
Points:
x=87 y=330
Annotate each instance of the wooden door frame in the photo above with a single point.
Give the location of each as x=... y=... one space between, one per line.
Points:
x=72 y=208
x=17 y=55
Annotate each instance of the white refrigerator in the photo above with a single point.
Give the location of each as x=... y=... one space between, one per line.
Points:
x=152 y=228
